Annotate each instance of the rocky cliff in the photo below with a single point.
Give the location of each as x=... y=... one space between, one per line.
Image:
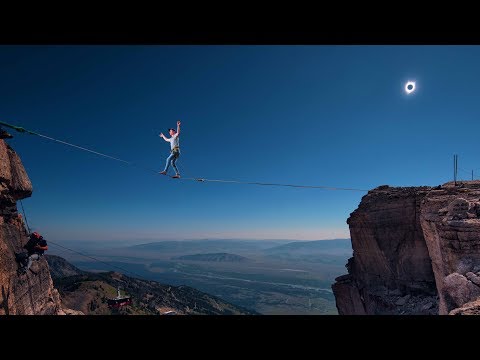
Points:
x=416 y=250
x=32 y=293
x=451 y=226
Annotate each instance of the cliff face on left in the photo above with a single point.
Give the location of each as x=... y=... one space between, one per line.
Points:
x=32 y=293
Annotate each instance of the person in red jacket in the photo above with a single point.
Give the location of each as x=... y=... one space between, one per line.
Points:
x=35 y=247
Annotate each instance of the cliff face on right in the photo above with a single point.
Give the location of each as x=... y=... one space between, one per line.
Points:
x=416 y=250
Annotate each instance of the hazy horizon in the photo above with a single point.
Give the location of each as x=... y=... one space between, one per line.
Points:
x=271 y=276
x=150 y=241
x=108 y=237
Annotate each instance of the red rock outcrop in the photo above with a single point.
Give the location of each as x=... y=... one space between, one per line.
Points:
x=471 y=308
x=450 y=219
x=20 y=294
x=390 y=271
x=416 y=250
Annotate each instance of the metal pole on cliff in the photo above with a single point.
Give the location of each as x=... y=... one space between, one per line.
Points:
x=472 y=175
x=455 y=169
x=454 y=159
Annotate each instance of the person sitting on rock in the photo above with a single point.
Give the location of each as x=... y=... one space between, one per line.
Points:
x=35 y=247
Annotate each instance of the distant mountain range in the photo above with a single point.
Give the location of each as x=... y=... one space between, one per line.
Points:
x=88 y=292
x=60 y=268
x=218 y=257
x=331 y=247
x=280 y=276
x=318 y=251
x=210 y=246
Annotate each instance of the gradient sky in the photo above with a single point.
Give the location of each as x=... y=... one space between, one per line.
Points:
x=312 y=115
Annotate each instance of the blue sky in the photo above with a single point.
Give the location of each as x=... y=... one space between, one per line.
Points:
x=312 y=115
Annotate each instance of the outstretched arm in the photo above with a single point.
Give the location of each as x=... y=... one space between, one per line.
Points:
x=163 y=137
x=178 y=127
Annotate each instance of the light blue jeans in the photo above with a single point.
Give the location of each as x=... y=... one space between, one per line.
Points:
x=30 y=260
x=172 y=159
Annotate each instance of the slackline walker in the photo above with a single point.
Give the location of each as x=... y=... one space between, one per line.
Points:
x=22 y=130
